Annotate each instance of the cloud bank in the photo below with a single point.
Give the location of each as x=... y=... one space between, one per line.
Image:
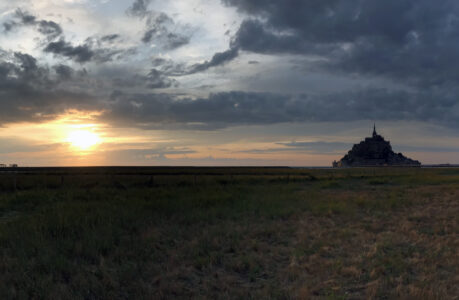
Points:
x=148 y=80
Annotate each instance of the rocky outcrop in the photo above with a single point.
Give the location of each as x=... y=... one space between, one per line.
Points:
x=374 y=151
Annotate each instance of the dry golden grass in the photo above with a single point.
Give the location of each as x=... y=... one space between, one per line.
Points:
x=230 y=234
x=408 y=253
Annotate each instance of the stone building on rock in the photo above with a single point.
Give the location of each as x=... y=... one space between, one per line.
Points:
x=374 y=152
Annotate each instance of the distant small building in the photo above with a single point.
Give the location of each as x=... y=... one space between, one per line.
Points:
x=13 y=165
x=2 y=165
x=374 y=151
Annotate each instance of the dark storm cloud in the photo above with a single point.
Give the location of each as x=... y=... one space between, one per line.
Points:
x=153 y=79
x=157 y=80
x=330 y=21
x=241 y=108
x=23 y=18
x=49 y=28
x=160 y=30
x=157 y=25
x=253 y=36
x=64 y=72
x=29 y=92
x=169 y=40
x=139 y=8
x=91 y=50
x=81 y=53
x=8 y=26
x=158 y=110
x=219 y=58
x=110 y=38
x=411 y=40
x=170 y=68
x=27 y=62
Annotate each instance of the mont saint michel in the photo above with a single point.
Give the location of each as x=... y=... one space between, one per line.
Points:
x=374 y=151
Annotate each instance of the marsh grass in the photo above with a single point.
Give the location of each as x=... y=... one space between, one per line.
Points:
x=148 y=233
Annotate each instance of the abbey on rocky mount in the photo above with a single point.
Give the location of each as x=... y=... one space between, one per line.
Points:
x=374 y=151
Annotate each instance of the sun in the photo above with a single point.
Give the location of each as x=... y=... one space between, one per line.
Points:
x=83 y=139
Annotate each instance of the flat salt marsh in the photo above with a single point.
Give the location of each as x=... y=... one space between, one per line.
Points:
x=279 y=233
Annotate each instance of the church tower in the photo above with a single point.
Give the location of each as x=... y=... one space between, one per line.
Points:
x=374 y=130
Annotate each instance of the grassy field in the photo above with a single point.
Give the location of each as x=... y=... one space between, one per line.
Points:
x=262 y=233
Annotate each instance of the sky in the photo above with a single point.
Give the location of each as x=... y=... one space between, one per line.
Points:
x=226 y=82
